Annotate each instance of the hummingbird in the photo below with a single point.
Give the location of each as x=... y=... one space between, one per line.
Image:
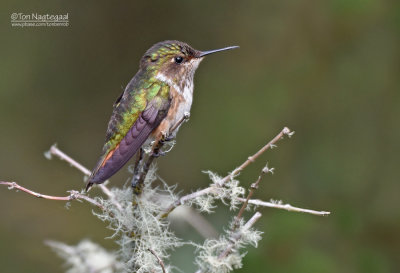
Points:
x=155 y=100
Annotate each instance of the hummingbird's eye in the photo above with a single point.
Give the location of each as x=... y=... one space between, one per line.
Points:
x=178 y=59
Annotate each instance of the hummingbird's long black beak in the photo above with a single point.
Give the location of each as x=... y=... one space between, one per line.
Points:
x=208 y=52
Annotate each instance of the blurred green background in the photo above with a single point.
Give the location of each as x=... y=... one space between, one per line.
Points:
x=327 y=69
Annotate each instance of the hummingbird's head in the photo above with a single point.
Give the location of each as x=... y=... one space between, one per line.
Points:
x=174 y=61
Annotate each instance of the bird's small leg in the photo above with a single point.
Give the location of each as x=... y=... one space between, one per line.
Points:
x=158 y=144
x=166 y=139
x=158 y=153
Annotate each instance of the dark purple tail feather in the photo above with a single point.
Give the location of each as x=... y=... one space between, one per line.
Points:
x=128 y=146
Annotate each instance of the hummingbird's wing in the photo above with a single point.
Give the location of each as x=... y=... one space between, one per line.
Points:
x=134 y=117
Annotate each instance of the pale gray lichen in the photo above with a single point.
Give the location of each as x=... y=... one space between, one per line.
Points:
x=210 y=259
x=136 y=227
x=204 y=203
x=228 y=193
x=87 y=257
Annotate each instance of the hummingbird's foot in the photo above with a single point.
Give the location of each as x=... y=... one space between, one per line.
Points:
x=157 y=154
x=167 y=138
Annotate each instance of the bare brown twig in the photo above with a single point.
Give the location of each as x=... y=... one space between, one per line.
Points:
x=158 y=259
x=235 y=172
x=279 y=205
x=285 y=131
x=139 y=178
x=253 y=187
x=63 y=156
x=74 y=195
x=238 y=235
x=212 y=189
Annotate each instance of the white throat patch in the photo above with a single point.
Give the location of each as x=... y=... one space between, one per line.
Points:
x=163 y=78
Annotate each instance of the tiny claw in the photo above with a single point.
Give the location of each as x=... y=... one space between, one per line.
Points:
x=158 y=154
x=166 y=138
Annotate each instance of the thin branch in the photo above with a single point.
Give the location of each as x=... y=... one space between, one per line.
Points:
x=214 y=190
x=250 y=159
x=185 y=198
x=74 y=195
x=63 y=156
x=253 y=187
x=209 y=190
x=159 y=260
x=279 y=205
x=237 y=236
x=138 y=179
